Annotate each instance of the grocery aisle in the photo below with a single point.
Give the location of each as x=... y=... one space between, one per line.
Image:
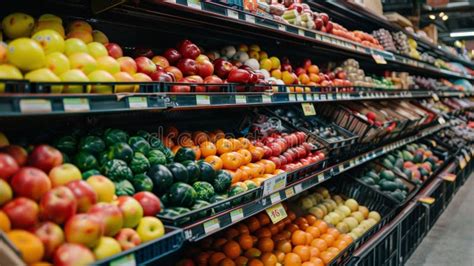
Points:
x=451 y=240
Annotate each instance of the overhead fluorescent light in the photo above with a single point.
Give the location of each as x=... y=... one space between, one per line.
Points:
x=445 y=17
x=433 y=17
x=462 y=34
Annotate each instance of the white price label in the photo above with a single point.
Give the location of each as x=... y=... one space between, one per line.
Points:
x=292 y=97
x=281 y=27
x=137 y=102
x=323 y=96
x=203 y=99
x=435 y=97
x=276 y=213
x=76 y=104
x=211 y=226
x=315 y=97
x=232 y=14
x=35 y=106
x=275 y=197
x=298 y=188
x=127 y=260
x=379 y=59
x=236 y=215
x=300 y=97
x=301 y=32
x=195 y=4
x=266 y=99
x=441 y=120
x=273 y=184
x=240 y=99
x=250 y=18
x=309 y=97
x=289 y=192
x=320 y=178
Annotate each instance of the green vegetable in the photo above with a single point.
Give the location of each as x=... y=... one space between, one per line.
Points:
x=180 y=173
x=168 y=153
x=204 y=190
x=120 y=151
x=236 y=190
x=182 y=195
x=387 y=174
x=162 y=178
x=124 y=188
x=142 y=182
x=92 y=144
x=103 y=158
x=117 y=170
x=90 y=173
x=144 y=134
x=165 y=200
x=387 y=185
x=222 y=181
x=224 y=204
x=184 y=154
x=139 y=144
x=67 y=144
x=113 y=136
x=156 y=157
x=139 y=163
x=207 y=172
x=199 y=205
x=169 y=212
x=85 y=161
x=193 y=171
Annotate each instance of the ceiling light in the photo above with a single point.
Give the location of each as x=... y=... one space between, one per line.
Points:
x=445 y=17
x=461 y=34
x=433 y=17
x=441 y=14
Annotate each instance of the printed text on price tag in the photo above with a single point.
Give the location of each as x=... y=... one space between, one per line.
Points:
x=276 y=213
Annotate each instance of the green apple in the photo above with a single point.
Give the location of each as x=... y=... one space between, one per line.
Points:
x=5 y=192
x=107 y=247
x=150 y=228
x=63 y=174
x=131 y=209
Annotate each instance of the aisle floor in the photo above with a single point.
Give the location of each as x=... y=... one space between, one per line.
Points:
x=451 y=240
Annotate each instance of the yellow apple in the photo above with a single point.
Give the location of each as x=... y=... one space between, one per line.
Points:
x=108 y=64
x=72 y=46
x=150 y=228
x=9 y=72
x=74 y=75
x=123 y=77
x=63 y=174
x=26 y=54
x=83 y=61
x=104 y=188
x=107 y=247
x=96 y=49
x=100 y=37
x=102 y=76
x=5 y=192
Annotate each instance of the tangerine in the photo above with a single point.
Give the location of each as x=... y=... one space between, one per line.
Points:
x=292 y=259
x=328 y=238
x=310 y=219
x=29 y=245
x=314 y=251
x=308 y=263
x=326 y=256
x=303 y=252
x=280 y=255
x=284 y=246
x=298 y=238
x=231 y=160
x=236 y=145
x=322 y=226
x=253 y=224
x=346 y=238
x=263 y=232
x=243 y=229
x=207 y=149
x=291 y=228
x=227 y=262
x=334 y=232
x=202 y=258
x=245 y=143
x=223 y=146
x=252 y=253
x=309 y=238
x=265 y=244
x=263 y=218
x=231 y=233
x=218 y=243
x=215 y=162
x=317 y=261
x=274 y=229
x=333 y=250
x=247 y=156
x=291 y=215
x=320 y=244
x=5 y=224
x=216 y=258
x=242 y=174
x=269 y=259
x=197 y=152
x=245 y=241
x=232 y=249
x=314 y=231
x=241 y=261
x=255 y=262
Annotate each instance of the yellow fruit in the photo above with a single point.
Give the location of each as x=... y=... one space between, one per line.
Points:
x=374 y=215
x=6 y=192
x=5 y=224
x=123 y=77
x=263 y=55
x=358 y=216
x=276 y=73
x=80 y=25
x=106 y=247
x=108 y=64
x=83 y=61
x=352 y=204
x=100 y=37
x=254 y=47
x=49 y=25
x=57 y=62
x=97 y=49
x=18 y=25
x=287 y=77
x=50 y=17
x=3 y=140
x=266 y=64
x=26 y=54
x=3 y=53
x=50 y=40
x=8 y=72
x=254 y=54
x=85 y=36
x=42 y=75
x=74 y=75
x=102 y=76
x=275 y=62
x=73 y=46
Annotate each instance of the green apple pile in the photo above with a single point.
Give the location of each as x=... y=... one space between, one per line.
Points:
x=52 y=215
x=347 y=216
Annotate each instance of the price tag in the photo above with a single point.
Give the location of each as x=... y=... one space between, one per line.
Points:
x=315 y=97
x=275 y=197
x=341 y=168
x=323 y=97
x=203 y=99
x=292 y=97
x=232 y=14
x=379 y=59
x=320 y=178
x=281 y=27
x=188 y=234
x=435 y=97
x=300 y=97
x=211 y=226
x=289 y=192
x=127 y=260
x=450 y=177
x=309 y=97
x=241 y=99
x=35 y=106
x=76 y=104
x=276 y=213
x=298 y=188
x=441 y=120
x=195 y=4
x=273 y=184
x=266 y=99
x=301 y=32
x=236 y=215
x=137 y=102
x=249 y=18
x=462 y=163
x=308 y=109
x=427 y=200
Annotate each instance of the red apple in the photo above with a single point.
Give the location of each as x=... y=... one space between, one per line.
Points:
x=30 y=182
x=22 y=212
x=238 y=76
x=202 y=58
x=175 y=71
x=45 y=157
x=85 y=229
x=69 y=254
x=189 y=50
x=205 y=69
x=222 y=67
x=283 y=160
x=286 y=67
x=301 y=151
x=162 y=76
x=84 y=194
x=301 y=137
x=172 y=55
x=17 y=152
x=58 y=205
x=308 y=146
x=131 y=209
x=213 y=80
x=306 y=64
x=182 y=88
x=268 y=152
x=371 y=116
x=142 y=51
x=276 y=160
x=324 y=17
x=8 y=166
x=187 y=66
x=283 y=144
x=145 y=65
x=110 y=215
x=128 y=238
x=149 y=202
x=114 y=50
x=300 y=71
x=276 y=149
x=51 y=235
x=318 y=23
x=161 y=61
x=127 y=64
x=329 y=27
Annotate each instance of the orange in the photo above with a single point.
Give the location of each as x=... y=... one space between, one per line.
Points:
x=287 y=234
x=292 y=259
x=333 y=250
x=309 y=238
x=291 y=215
x=5 y=225
x=328 y=238
x=298 y=238
x=224 y=146
x=235 y=175
x=255 y=262
x=320 y=244
x=322 y=226
x=308 y=263
x=232 y=249
x=273 y=229
x=172 y=132
x=334 y=232
x=207 y=148
x=346 y=238
x=242 y=174
x=280 y=255
x=317 y=261
x=263 y=232
x=215 y=161
x=304 y=78
x=231 y=161
x=278 y=237
x=340 y=244
x=241 y=261
x=202 y=258
x=231 y=233
x=284 y=246
x=300 y=220
x=236 y=145
x=263 y=218
x=303 y=252
x=265 y=244
x=255 y=239
x=217 y=245
x=314 y=231
x=245 y=143
x=247 y=156
x=216 y=258
x=197 y=151
x=291 y=227
x=245 y=242
x=280 y=225
x=326 y=256
x=269 y=259
x=200 y=137
x=257 y=170
x=257 y=153
x=253 y=224
x=252 y=253
x=310 y=218
x=28 y=244
x=227 y=262
x=175 y=149
x=243 y=229
x=314 y=251
x=268 y=165
x=313 y=69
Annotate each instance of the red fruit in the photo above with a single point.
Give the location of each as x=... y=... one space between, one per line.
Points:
x=128 y=238
x=306 y=64
x=286 y=67
x=268 y=152
x=84 y=194
x=69 y=254
x=17 y=152
x=175 y=71
x=213 y=80
x=8 y=166
x=329 y=27
x=301 y=151
x=110 y=214
x=45 y=157
x=160 y=61
x=143 y=51
x=276 y=161
x=22 y=212
x=283 y=144
x=222 y=68
x=324 y=17
x=51 y=235
x=300 y=71
x=187 y=66
x=318 y=23
x=172 y=55
x=301 y=137
x=161 y=76
x=31 y=183
x=149 y=202
x=371 y=116
x=114 y=50
x=181 y=88
x=288 y=157
x=205 y=69
x=145 y=65
x=189 y=50
x=308 y=146
x=58 y=205
x=238 y=76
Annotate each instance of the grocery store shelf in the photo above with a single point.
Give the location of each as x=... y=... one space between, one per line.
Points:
x=277 y=189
